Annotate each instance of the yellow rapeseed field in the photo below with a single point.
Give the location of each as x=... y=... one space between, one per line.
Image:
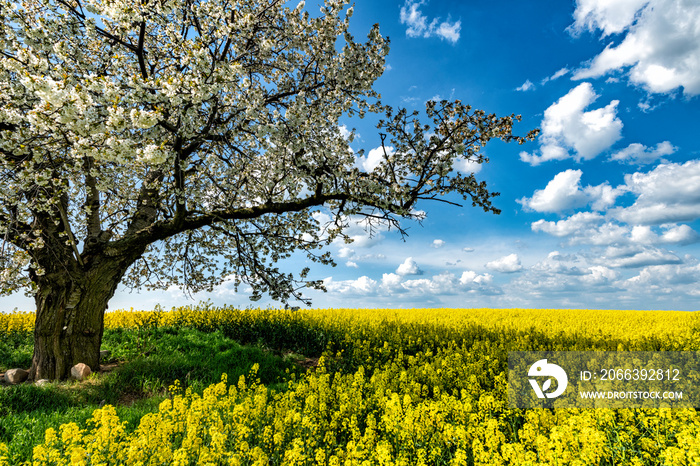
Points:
x=393 y=387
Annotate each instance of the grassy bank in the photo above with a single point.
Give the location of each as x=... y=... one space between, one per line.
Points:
x=144 y=362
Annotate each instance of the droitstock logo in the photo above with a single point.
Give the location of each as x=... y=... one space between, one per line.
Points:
x=542 y=368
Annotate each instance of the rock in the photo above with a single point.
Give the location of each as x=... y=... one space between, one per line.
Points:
x=15 y=376
x=80 y=371
x=41 y=382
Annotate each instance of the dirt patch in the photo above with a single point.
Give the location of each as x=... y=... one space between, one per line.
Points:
x=309 y=363
x=303 y=361
x=107 y=368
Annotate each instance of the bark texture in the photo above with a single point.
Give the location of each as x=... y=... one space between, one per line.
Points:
x=70 y=319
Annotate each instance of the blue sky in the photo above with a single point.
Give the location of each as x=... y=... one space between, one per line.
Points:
x=601 y=211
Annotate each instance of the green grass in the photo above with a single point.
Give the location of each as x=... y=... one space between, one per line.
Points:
x=148 y=362
x=16 y=350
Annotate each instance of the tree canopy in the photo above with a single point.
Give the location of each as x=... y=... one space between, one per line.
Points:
x=200 y=138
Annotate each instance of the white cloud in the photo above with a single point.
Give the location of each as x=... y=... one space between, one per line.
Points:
x=448 y=31
x=391 y=281
x=373 y=158
x=470 y=278
x=526 y=86
x=418 y=26
x=640 y=154
x=348 y=134
x=409 y=267
x=670 y=193
x=612 y=17
x=467 y=166
x=357 y=231
x=556 y=263
x=438 y=243
x=564 y=275
x=352 y=264
x=680 y=234
x=643 y=234
x=437 y=285
x=661 y=44
x=634 y=257
x=581 y=221
x=442 y=284
x=361 y=286
x=557 y=75
x=475 y=283
x=599 y=275
x=564 y=192
x=669 y=277
x=506 y=264
x=603 y=195
x=605 y=234
x=591 y=228
x=568 y=131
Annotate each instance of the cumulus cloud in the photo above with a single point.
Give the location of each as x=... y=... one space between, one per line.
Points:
x=360 y=286
x=660 y=48
x=679 y=234
x=635 y=257
x=409 y=267
x=560 y=274
x=557 y=263
x=569 y=131
x=581 y=221
x=442 y=284
x=391 y=281
x=666 y=277
x=665 y=198
x=506 y=264
x=418 y=25
x=591 y=228
x=670 y=193
x=599 y=275
x=564 y=192
x=640 y=154
x=392 y=284
x=438 y=243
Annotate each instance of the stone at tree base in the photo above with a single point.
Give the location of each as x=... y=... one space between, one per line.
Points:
x=15 y=376
x=80 y=371
x=42 y=382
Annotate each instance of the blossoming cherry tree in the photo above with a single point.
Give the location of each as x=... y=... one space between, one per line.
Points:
x=161 y=142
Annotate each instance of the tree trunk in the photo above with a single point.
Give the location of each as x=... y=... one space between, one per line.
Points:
x=70 y=319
